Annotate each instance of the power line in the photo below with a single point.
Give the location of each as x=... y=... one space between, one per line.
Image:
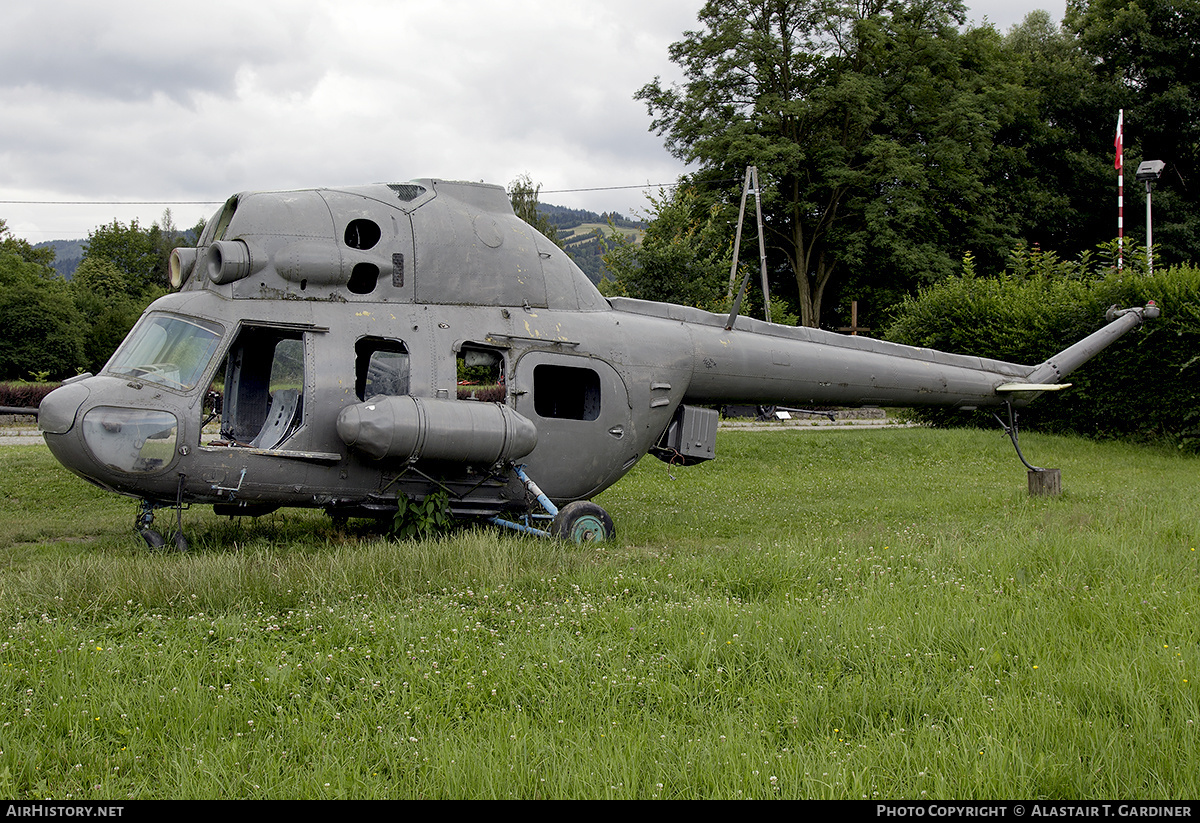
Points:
x=674 y=185
x=110 y=202
x=217 y=202
x=610 y=188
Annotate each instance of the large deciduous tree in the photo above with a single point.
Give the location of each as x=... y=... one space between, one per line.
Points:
x=1147 y=50
x=123 y=270
x=871 y=124
x=41 y=333
x=101 y=294
x=140 y=254
x=1052 y=160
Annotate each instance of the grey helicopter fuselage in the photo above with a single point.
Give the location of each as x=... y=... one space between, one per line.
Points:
x=370 y=341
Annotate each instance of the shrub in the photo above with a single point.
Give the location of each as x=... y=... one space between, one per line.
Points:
x=1146 y=386
x=24 y=395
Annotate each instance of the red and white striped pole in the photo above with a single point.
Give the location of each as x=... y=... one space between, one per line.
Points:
x=1119 y=145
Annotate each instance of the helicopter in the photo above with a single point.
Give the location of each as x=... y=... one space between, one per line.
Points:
x=347 y=348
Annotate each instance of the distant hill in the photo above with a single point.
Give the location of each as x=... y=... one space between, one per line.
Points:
x=579 y=230
x=576 y=232
x=564 y=218
x=67 y=255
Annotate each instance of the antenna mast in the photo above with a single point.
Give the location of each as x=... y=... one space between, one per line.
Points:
x=751 y=184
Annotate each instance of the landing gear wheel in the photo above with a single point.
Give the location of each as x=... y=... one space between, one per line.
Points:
x=144 y=525
x=153 y=539
x=583 y=522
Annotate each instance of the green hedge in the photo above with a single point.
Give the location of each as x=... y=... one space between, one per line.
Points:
x=1146 y=386
x=24 y=395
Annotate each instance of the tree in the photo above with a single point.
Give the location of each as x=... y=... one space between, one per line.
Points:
x=1147 y=50
x=870 y=123
x=101 y=294
x=140 y=254
x=683 y=257
x=22 y=249
x=41 y=332
x=1052 y=160
x=524 y=196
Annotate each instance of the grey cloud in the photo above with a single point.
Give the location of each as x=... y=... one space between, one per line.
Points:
x=125 y=51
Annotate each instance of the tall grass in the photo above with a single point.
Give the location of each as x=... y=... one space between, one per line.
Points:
x=875 y=614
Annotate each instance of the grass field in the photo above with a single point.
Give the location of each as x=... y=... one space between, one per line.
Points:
x=839 y=614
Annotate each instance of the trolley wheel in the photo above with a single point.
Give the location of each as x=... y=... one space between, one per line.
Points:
x=583 y=522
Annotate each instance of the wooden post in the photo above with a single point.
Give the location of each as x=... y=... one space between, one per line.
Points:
x=854 y=328
x=1045 y=482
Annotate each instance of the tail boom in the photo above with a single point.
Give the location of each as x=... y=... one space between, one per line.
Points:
x=759 y=362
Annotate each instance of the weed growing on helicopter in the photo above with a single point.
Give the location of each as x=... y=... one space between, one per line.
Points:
x=417 y=519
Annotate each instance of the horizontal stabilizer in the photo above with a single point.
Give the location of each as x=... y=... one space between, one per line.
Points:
x=1033 y=387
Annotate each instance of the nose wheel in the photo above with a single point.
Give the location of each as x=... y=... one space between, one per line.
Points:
x=144 y=526
x=155 y=540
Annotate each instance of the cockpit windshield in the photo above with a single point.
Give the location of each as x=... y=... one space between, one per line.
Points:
x=171 y=351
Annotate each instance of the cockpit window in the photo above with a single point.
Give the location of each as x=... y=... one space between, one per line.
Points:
x=171 y=351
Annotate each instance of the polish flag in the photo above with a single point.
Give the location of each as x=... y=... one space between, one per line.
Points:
x=1118 y=144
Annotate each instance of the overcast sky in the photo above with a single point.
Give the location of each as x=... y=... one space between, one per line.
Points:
x=176 y=104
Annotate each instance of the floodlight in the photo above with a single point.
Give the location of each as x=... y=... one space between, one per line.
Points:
x=1150 y=170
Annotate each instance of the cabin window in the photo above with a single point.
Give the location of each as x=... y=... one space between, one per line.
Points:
x=566 y=392
x=381 y=367
x=362 y=234
x=363 y=278
x=480 y=374
x=261 y=388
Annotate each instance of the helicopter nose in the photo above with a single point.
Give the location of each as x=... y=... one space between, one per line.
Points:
x=56 y=414
x=56 y=419
x=107 y=444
